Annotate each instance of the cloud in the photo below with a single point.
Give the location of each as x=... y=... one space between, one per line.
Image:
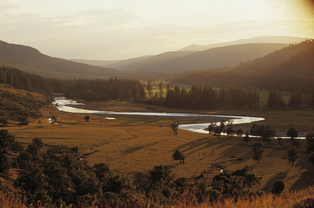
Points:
x=99 y=17
x=5 y=6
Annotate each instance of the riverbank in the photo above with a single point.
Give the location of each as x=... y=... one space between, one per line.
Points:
x=70 y=106
x=280 y=120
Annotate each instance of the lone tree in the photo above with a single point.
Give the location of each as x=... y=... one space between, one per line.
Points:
x=239 y=132
x=246 y=138
x=211 y=128
x=161 y=92
x=4 y=121
x=310 y=147
x=296 y=143
x=258 y=150
x=149 y=88
x=292 y=133
x=177 y=155
x=38 y=142
x=279 y=142
x=222 y=126
x=86 y=118
x=293 y=154
x=278 y=187
x=174 y=128
x=217 y=131
x=310 y=137
x=268 y=134
x=311 y=158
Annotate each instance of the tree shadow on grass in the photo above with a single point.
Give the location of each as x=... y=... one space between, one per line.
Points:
x=134 y=149
x=192 y=145
x=201 y=144
x=236 y=154
x=278 y=177
x=307 y=177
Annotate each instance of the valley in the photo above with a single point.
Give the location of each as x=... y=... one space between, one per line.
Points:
x=127 y=127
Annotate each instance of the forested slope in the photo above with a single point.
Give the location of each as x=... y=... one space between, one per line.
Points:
x=293 y=61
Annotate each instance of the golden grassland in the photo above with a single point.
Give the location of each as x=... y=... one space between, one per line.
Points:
x=130 y=144
x=288 y=199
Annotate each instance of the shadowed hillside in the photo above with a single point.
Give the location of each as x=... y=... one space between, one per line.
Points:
x=32 y=61
x=146 y=60
x=294 y=61
x=212 y=58
x=260 y=39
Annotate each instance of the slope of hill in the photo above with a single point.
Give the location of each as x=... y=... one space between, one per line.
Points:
x=212 y=58
x=259 y=39
x=94 y=62
x=32 y=61
x=123 y=63
x=20 y=104
x=293 y=61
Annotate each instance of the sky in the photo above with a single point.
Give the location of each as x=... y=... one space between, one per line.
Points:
x=121 y=29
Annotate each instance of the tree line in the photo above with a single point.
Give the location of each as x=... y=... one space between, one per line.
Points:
x=218 y=78
x=26 y=81
x=89 y=90
x=205 y=97
x=104 y=90
x=297 y=100
x=201 y=96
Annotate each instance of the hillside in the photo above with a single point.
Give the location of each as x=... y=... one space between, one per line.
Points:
x=212 y=58
x=259 y=39
x=123 y=63
x=294 y=61
x=94 y=62
x=20 y=104
x=32 y=61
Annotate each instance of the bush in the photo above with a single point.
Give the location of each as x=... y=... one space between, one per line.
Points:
x=278 y=187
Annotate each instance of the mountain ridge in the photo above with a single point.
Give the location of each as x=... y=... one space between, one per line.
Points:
x=33 y=61
x=211 y=58
x=258 y=39
x=293 y=61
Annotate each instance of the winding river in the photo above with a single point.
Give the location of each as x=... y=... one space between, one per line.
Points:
x=68 y=105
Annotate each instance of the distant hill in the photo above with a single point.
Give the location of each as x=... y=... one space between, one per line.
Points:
x=94 y=62
x=174 y=62
x=293 y=61
x=32 y=61
x=259 y=39
x=123 y=63
x=146 y=61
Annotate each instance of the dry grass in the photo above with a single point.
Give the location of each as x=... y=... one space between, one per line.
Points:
x=288 y=199
x=295 y=199
x=134 y=143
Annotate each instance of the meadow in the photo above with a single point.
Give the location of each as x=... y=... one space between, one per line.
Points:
x=131 y=144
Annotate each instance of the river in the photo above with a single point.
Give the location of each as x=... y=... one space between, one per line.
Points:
x=68 y=105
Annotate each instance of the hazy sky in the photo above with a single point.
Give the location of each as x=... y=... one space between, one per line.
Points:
x=119 y=29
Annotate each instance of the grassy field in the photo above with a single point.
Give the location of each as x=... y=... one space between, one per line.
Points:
x=134 y=143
